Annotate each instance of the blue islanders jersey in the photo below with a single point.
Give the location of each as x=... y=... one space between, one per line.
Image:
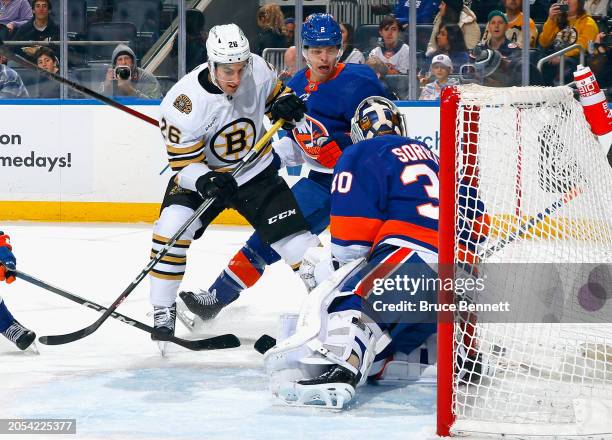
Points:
x=330 y=106
x=385 y=190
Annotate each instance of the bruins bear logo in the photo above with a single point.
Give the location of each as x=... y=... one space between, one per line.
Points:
x=232 y=142
x=183 y=104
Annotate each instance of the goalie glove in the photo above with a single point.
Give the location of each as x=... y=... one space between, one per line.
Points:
x=317 y=265
x=7 y=259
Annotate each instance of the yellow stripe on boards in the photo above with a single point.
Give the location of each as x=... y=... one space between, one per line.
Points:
x=111 y=212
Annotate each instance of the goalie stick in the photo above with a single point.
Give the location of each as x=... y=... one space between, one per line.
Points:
x=80 y=334
x=214 y=343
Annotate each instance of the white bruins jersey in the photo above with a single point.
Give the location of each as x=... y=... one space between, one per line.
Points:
x=205 y=129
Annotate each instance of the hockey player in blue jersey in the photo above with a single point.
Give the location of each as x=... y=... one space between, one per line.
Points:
x=384 y=227
x=9 y=327
x=332 y=91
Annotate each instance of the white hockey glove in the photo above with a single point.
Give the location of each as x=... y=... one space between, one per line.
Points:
x=317 y=265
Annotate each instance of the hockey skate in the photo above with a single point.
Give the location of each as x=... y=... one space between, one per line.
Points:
x=164 y=320
x=331 y=390
x=21 y=336
x=199 y=308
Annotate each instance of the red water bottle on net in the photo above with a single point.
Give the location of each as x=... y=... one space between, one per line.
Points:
x=593 y=100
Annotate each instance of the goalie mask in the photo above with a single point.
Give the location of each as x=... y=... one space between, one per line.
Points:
x=227 y=44
x=377 y=116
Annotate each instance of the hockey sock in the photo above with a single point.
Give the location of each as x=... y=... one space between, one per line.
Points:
x=6 y=319
x=242 y=272
x=227 y=290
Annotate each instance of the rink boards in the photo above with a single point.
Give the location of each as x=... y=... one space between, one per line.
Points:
x=79 y=160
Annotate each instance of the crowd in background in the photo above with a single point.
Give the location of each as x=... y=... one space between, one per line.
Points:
x=467 y=41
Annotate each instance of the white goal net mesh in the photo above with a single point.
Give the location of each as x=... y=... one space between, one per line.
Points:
x=533 y=212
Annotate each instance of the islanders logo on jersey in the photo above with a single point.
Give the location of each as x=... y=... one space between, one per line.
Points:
x=306 y=136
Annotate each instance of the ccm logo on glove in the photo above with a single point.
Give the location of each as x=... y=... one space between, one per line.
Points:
x=281 y=216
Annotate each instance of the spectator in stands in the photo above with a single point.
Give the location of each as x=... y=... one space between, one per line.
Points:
x=600 y=61
x=11 y=85
x=195 y=43
x=391 y=50
x=563 y=29
x=272 y=28
x=596 y=7
x=13 y=15
x=454 y=12
x=441 y=68
x=381 y=70
x=290 y=64
x=495 y=34
x=350 y=54
x=495 y=70
x=124 y=78
x=425 y=11
x=47 y=87
x=290 y=31
x=514 y=14
x=40 y=27
x=195 y=39
x=449 y=41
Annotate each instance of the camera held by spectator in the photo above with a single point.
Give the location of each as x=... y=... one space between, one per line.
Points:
x=124 y=78
x=123 y=72
x=563 y=7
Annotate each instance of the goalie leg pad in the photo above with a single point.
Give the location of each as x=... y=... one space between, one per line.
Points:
x=348 y=340
x=336 y=363
x=323 y=338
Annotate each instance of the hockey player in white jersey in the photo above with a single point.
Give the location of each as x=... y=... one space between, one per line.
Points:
x=210 y=120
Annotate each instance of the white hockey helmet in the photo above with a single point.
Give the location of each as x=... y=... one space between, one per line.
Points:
x=227 y=44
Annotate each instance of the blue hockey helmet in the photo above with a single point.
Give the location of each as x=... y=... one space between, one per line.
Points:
x=321 y=30
x=377 y=116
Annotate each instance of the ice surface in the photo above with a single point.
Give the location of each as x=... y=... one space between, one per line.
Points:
x=115 y=383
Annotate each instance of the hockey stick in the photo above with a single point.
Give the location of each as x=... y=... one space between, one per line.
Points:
x=534 y=221
x=214 y=343
x=76 y=86
x=79 y=334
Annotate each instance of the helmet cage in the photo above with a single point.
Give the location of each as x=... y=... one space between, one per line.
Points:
x=368 y=122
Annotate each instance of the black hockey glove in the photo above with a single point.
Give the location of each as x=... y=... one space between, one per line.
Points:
x=290 y=108
x=216 y=184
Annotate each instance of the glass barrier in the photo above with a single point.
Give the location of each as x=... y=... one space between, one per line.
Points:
x=140 y=48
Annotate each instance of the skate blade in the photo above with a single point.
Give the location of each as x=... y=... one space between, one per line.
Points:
x=32 y=350
x=163 y=347
x=190 y=320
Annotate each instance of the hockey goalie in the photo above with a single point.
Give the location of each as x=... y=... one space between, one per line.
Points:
x=366 y=317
